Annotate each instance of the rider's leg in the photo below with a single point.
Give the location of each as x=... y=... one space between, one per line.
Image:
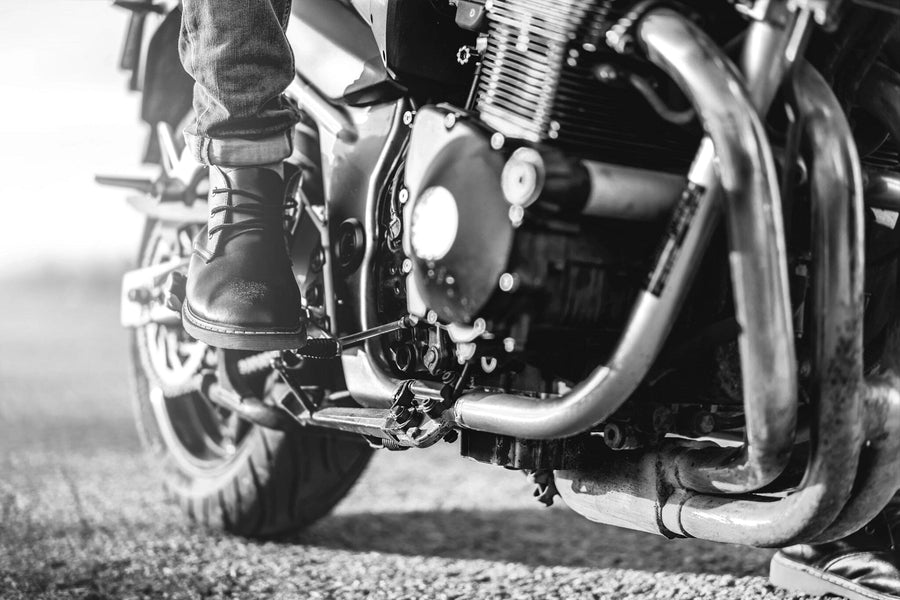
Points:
x=241 y=292
x=241 y=61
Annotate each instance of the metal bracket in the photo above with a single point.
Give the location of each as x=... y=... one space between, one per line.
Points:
x=297 y=402
x=145 y=294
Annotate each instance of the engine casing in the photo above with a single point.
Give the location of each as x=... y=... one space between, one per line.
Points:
x=538 y=83
x=474 y=256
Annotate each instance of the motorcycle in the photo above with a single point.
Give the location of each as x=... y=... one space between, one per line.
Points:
x=645 y=252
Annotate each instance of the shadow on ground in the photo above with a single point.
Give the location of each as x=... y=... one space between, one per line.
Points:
x=531 y=537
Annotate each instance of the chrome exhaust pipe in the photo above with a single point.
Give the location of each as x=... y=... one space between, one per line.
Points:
x=822 y=498
x=878 y=477
x=736 y=159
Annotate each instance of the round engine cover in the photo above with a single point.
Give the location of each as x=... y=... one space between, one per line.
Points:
x=457 y=224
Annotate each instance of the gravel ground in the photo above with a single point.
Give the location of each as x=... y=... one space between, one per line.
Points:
x=83 y=516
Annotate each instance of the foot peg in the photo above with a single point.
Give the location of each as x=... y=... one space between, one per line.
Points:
x=320 y=348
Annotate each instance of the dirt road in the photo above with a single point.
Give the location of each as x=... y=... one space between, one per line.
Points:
x=81 y=515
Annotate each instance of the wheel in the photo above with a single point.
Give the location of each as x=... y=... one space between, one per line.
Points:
x=225 y=472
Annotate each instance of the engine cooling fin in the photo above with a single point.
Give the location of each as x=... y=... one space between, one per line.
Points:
x=537 y=84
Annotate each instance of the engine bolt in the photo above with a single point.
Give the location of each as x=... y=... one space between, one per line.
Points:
x=449 y=120
x=620 y=437
x=403 y=196
x=407 y=266
x=606 y=73
x=516 y=215
x=431 y=317
x=497 y=141
x=408 y=117
x=451 y=436
x=509 y=282
x=413 y=432
x=509 y=344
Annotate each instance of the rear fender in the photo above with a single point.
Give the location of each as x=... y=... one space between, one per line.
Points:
x=168 y=89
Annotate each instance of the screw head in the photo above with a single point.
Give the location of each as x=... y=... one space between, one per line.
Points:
x=606 y=73
x=403 y=196
x=497 y=141
x=407 y=266
x=408 y=117
x=509 y=344
x=516 y=215
x=509 y=282
x=449 y=120
x=431 y=317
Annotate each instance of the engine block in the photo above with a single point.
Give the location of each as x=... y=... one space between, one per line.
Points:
x=537 y=84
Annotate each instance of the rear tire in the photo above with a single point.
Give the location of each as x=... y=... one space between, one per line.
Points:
x=226 y=473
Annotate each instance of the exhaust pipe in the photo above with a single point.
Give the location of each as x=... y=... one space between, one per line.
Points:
x=822 y=499
x=878 y=476
x=736 y=147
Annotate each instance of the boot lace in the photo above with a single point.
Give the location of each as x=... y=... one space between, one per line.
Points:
x=262 y=213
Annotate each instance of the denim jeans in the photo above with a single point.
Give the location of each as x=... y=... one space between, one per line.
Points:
x=241 y=62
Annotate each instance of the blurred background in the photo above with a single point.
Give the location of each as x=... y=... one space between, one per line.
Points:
x=82 y=514
x=65 y=114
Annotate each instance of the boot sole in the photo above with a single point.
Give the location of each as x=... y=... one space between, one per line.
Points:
x=799 y=577
x=237 y=338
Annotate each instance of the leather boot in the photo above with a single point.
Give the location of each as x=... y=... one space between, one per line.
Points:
x=241 y=292
x=862 y=566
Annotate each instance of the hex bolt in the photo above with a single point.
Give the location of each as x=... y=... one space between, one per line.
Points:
x=509 y=344
x=451 y=436
x=497 y=141
x=403 y=196
x=407 y=266
x=408 y=117
x=449 y=120
x=431 y=317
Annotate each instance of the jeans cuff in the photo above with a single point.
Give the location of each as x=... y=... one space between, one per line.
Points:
x=239 y=152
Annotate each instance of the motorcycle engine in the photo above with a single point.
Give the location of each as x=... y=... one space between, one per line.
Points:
x=532 y=277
